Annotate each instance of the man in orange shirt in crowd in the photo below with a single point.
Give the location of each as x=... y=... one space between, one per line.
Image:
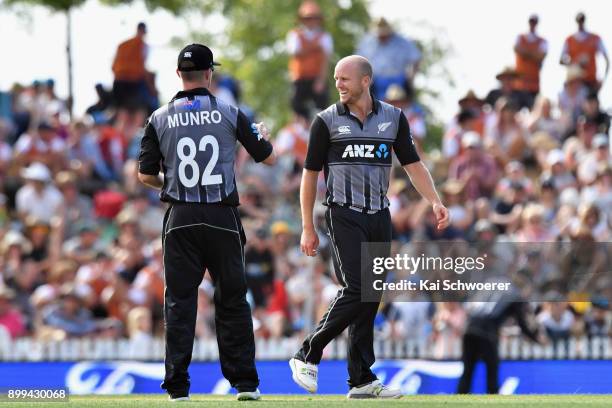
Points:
x=530 y=50
x=581 y=49
x=132 y=80
x=309 y=48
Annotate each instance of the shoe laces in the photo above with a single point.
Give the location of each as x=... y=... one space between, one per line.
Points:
x=309 y=372
x=379 y=388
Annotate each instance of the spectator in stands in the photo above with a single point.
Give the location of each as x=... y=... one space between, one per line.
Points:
x=471 y=102
x=37 y=231
x=542 y=120
x=309 y=47
x=205 y=323
x=403 y=99
x=14 y=247
x=130 y=88
x=6 y=150
x=150 y=218
x=42 y=145
x=448 y=325
x=310 y=291
x=530 y=50
x=129 y=245
x=534 y=228
x=277 y=316
x=571 y=98
x=601 y=191
x=11 y=319
x=292 y=140
x=85 y=154
x=596 y=120
x=460 y=210
x=85 y=246
x=111 y=142
x=598 y=319
x=38 y=197
x=410 y=320
x=23 y=282
x=592 y=159
x=467 y=121
x=581 y=49
x=515 y=173
x=591 y=219
x=259 y=268
x=281 y=245
x=5 y=218
x=475 y=168
x=69 y=317
x=557 y=172
x=505 y=137
x=139 y=328
x=150 y=279
x=104 y=102
x=507 y=208
x=76 y=206
x=395 y=59
x=507 y=89
x=19 y=112
x=556 y=319
x=55 y=106
x=60 y=274
x=251 y=205
x=221 y=92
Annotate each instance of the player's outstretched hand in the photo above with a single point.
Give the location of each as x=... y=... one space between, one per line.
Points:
x=309 y=241
x=441 y=214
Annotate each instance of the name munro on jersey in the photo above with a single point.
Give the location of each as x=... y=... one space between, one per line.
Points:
x=194 y=118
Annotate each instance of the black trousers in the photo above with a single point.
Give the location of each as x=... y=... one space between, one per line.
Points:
x=197 y=237
x=303 y=93
x=475 y=348
x=347 y=230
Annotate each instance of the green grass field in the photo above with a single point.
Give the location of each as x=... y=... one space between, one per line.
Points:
x=324 y=401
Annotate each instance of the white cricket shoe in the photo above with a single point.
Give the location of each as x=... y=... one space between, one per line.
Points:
x=249 y=395
x=304 y=374
x=375 y=389
x=179 y=399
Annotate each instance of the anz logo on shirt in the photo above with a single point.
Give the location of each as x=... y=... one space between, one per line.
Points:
x=366 y=151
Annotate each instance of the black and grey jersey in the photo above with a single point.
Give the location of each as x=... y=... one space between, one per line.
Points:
x=488 y=315
x=356 y=157
x=192 y=140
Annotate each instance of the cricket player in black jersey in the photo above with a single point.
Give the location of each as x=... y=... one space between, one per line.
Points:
x=352 y=141
x=481 y=337
x=192 y=140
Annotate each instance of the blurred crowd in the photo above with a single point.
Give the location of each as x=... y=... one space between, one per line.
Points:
x=80 y=247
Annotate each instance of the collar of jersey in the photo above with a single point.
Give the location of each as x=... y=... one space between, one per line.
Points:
x=191 y=92
x=344 y=110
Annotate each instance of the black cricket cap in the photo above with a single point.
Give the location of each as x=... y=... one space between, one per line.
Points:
x=196 y=57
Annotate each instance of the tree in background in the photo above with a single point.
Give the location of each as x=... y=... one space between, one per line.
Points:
x=66 y=6
x=253 y=45
x=252 y=49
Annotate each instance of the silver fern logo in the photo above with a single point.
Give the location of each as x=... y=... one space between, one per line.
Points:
x=383 y=126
